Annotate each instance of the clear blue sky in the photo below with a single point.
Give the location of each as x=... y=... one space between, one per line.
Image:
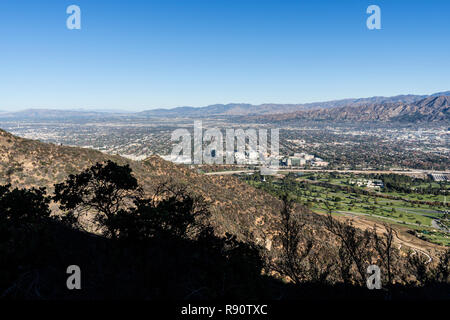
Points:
x=136 y=55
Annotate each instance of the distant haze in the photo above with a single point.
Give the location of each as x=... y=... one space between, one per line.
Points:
x=260 y=108
x=410 y=108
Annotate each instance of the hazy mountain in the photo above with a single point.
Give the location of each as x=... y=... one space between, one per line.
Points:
x=362 y=101
x=52 y=114
x=244 y=109
x=432 y=108
x=231 y=109
x=445 y=93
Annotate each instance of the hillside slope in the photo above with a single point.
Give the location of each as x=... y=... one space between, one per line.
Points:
x=30 y=163
x=253 y=216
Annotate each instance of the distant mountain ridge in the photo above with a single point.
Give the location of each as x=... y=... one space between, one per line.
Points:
x=237 y=109
x=51 y=114
x=231 y=109
x=430 y=109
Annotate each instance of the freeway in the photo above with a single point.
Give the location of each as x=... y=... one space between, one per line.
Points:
x=409 y=172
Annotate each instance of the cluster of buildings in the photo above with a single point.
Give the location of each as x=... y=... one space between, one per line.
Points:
x=303 y=159
x=255 y=158
x=247 y=157
x=439 y=177
x=374 y=184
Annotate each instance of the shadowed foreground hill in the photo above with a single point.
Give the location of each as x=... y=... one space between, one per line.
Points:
x=202 y=237
x=236 y=207
x=162 y=248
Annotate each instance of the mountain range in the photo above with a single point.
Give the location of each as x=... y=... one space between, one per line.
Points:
x=430 y=109
x=410 y=108
x=244 y=109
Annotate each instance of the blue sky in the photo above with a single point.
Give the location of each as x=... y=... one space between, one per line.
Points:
x=135 y=55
